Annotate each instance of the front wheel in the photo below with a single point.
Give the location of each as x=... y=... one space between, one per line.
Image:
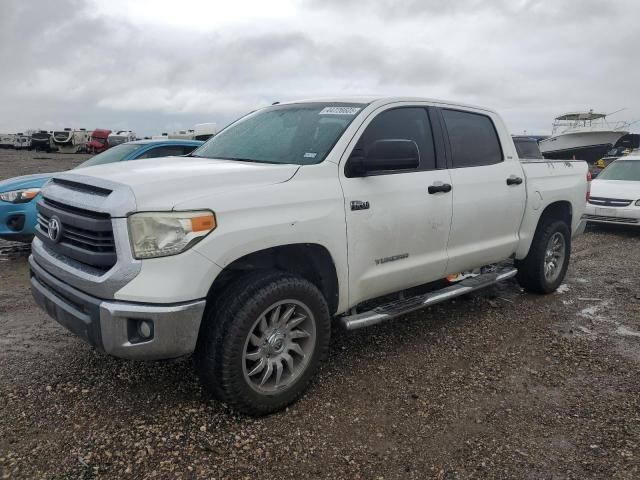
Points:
x=260 y=347
x=545 y=266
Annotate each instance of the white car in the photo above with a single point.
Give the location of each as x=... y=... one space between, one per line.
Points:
x=615 y=194
x=294 y=215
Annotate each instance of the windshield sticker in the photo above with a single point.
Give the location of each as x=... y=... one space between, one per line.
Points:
x=310 y=155
x=339 y=110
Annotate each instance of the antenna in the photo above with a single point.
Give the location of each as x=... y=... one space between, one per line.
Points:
x=617 y=111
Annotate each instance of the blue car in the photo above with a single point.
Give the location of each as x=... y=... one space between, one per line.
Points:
x=18 y=196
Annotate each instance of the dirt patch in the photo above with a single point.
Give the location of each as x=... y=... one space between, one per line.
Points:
x=14 y=163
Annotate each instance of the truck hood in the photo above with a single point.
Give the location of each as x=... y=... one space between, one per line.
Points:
x=621 y=189
x=25 y=181
x=162 y=183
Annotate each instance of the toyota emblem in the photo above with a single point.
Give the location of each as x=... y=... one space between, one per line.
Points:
x=55 y=229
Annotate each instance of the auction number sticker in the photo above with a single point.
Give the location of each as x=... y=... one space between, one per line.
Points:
x=339 y=111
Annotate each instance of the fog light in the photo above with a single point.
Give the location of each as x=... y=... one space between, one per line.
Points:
x=15 y=222
x=145 y=329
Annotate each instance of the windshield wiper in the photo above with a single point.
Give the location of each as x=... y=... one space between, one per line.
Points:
x=236 y=159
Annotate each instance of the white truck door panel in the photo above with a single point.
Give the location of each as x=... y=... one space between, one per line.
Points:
x=400 y=241
x=397 y=239
x=487 y=210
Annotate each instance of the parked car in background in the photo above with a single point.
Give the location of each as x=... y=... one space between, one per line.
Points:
x=527 y=147
x=291 y=216
x=615 y=194
x=611 y=156
x=22 y=141
x=120 y=136
x=41 y=141
x=18 y=195
x=98 y=141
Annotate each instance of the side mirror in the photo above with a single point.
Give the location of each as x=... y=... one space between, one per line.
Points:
x=384 y=155
x=356 y=165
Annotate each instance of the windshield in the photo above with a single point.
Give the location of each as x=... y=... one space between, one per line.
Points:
x=622 y=170
x=527 y=148
x=300 y=134
x=114 y=154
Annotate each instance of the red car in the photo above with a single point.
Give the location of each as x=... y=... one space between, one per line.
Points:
x=98 y=141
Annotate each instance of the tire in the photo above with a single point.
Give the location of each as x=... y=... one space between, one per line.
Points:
x=240 y=334
x=552 y=236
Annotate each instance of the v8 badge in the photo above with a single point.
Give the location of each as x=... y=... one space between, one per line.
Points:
x=359 y=205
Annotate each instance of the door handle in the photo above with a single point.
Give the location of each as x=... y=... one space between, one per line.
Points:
x=513 y=180
x=444 y=188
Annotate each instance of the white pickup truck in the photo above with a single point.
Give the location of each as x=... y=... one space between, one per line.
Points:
x=292 y=216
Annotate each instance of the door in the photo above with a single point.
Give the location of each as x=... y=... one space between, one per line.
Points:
x=488 y=192
x=396 y=230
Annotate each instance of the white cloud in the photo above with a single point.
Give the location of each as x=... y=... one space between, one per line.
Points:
x=149 y=64
x=201 y=15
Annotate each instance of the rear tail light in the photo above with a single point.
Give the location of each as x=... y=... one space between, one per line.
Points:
x=589 y=178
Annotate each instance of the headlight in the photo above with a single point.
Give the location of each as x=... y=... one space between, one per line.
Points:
x=160 y=234
x=637 y=203
x=20 y=196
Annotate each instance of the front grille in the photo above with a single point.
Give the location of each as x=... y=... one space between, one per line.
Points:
x=602 y=218
x=609 y=202
x=86 y=236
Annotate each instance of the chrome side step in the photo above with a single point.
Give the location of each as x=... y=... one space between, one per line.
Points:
x=403 y=306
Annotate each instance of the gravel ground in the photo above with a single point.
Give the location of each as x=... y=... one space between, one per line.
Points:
x=499 y=384
x=23 y=162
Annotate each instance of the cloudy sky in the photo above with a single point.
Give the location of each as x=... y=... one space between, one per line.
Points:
x=161 y=65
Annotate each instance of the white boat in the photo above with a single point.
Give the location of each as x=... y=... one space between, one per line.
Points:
x=582 y=135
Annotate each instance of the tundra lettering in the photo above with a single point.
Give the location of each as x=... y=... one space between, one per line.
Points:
x=392 y=259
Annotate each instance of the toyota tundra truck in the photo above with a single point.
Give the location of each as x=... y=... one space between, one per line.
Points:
x=295 y=216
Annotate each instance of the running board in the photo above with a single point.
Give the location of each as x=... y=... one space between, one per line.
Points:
x=400 y=307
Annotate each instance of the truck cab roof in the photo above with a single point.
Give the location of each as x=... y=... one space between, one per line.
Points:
x=383 y=100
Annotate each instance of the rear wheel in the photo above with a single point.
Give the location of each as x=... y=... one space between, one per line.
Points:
x=261 y=345
x=545 y=266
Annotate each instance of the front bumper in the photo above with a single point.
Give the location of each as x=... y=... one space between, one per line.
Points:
x=612 y=215
x=110 y=326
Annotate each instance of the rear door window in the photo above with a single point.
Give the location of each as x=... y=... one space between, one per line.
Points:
x=527 y=148
x=473 y=139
